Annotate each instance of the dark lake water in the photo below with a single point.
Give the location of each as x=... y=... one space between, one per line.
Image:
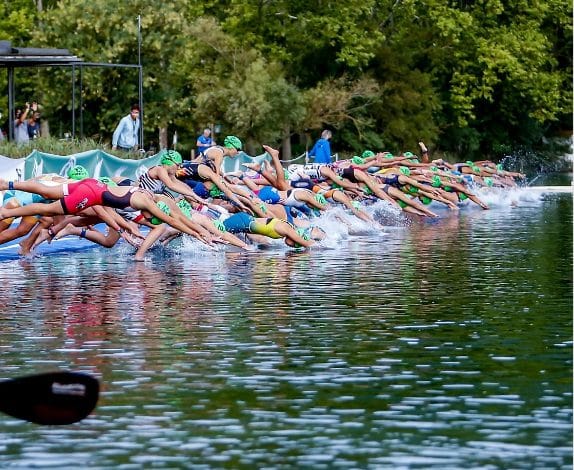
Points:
x=436 y=344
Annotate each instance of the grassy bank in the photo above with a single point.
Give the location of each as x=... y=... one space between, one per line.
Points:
x=60 y=147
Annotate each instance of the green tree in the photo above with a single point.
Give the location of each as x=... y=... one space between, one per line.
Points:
x=247 y=94
x=98 y=31
x=496 y=71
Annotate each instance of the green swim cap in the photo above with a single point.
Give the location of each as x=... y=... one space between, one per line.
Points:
x=499 y=167
x=215 y=192
x=436 y=182
x=357 y=160
x=164 y=208
x=367 y=154
x=304 y=233
x=470 y=163
x=219 y=225
x=232 y=142
x=412 y=189
x=185 y=207
x=402 y=204
x=286 y=173
x=368 y=191
x=356 y=204
x=475 y=169
x=462 y=196
x=171 y=157
x=414 y=160
x=404 y=170
x=388 y=155
x=433 y=168
x=409 y=154
x=488 y=181
x=78 y=173
x=320 y=199
x=426 y=200
x=107 y=181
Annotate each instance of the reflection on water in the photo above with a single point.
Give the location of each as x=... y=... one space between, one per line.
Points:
x=443 y=344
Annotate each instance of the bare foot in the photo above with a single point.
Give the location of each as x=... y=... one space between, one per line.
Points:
x=68 y=230
x=271 y=151
x=25 y=248
x=45 y=235
x=253 y=166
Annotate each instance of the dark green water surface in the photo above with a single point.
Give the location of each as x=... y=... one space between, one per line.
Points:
x=440 y=344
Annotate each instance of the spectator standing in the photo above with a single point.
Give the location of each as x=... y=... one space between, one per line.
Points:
x=322 y=149
x=126 y=135
x=204 y=141
x=34 y=123
x=21 y=125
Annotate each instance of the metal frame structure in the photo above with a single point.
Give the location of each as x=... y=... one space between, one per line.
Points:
x=11 y=58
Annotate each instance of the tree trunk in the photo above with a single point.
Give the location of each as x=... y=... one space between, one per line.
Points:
x=163 y=138
x=286 y=144
x=44 y=128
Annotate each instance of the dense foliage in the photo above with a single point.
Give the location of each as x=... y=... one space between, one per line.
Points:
x=487 y=77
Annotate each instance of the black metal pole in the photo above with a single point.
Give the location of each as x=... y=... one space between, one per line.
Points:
x=73 y=101
x=11 y=116
x=141 y=107
x=140 y=84
x=81 y=102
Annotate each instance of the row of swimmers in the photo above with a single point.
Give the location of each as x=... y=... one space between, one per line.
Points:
x=266 y=201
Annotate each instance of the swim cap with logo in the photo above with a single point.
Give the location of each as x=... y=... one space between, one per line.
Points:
x=304 y=233
x=219 y=225
x=171 y=157
x=232 y=142
x=357 y=160
x=78 y=173
x=215 y=192
x=164 y=208
x=404 y=170
x=107 y=181
x=367 y=154
x=184 y=207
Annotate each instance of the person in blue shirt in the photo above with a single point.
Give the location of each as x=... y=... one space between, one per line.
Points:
x=126 y=135
x=204 y=141
x=322 y=149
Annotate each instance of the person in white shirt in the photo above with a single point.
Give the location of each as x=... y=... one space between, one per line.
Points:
x=126 y=134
